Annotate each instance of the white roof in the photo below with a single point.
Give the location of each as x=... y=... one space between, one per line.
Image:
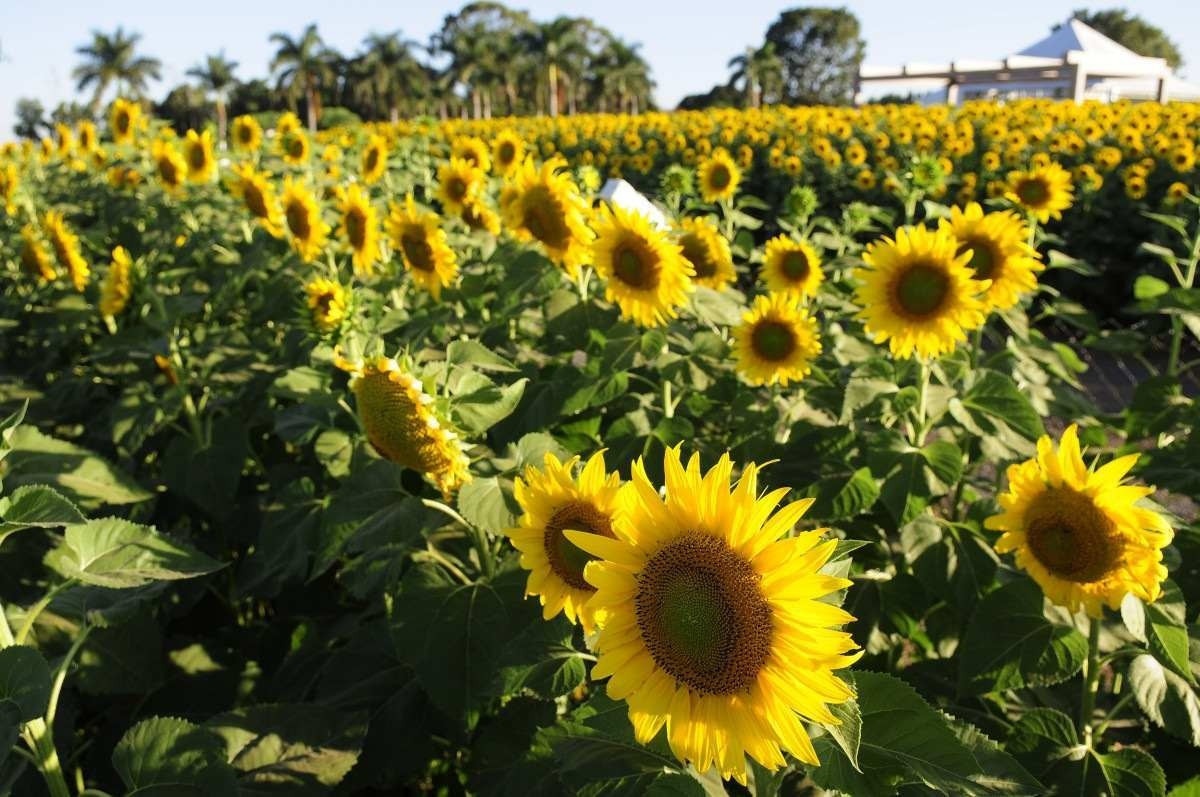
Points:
x=1074 y=35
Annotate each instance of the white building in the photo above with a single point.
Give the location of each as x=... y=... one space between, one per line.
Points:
x=1074 y=61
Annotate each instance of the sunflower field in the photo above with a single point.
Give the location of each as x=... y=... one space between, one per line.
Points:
x=419 y=458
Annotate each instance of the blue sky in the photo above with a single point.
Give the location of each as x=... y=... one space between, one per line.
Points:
x=687 y=44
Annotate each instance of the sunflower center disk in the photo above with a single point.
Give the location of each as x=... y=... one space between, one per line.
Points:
x=702 y=615
x=795 y=266
x=417 y=251
x=983 y=259
x=1033 y=192
x=634 y=268
x=457 y=189
x=198 y=157
x=921 y=290
x=507 y=153
x=696 y=254
x=297 y=219
x=773 y=341
x=566 y=558
x=719 y=178
x=372 y=160
x=544 y=220
x=1071 y=537
x=356 y=228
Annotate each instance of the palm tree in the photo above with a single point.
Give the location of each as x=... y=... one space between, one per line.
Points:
x=757 y=69
x=561 y=46
x=215 y=77
x=390 y=71
x=112 y=60
x=301 y=66
x=620 y=72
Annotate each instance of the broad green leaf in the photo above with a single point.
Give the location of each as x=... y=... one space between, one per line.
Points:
x=486 y=504
x=541 y=660
x=208 y=475
x=83 y=476
x=476 y=355
x=1127 y=772
x=1041 y=737
x=1166 y=698
x=1166 y=630
x=505 y=740
x=1000 y=773
x=480 y=410
x=24 y=681
x=124 y=659
x=848 y=733
x=10 y=727
x=1148 y=287
x=36 y=506
x=169 y=756
x=996 y=396
x=532 y=448
x=1190 y=788
x=1009 y=643
x=843 y=496
x=116 y=553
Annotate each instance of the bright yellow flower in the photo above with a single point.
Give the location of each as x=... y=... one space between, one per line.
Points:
x=247 y=134
x=198 y=153
x=116 y=288
x=294 y=146
x=360 y=228
x=719 y=177
x=479 y=216
x=421 y=241
x=66 y=249
x=374 y=159
x=776 y=341
x=644 y=270
x=258 y=195
x=34 y=256
x=1000 y=252
x=459 y=183
x=707 y=250
x=791 y=266
x=123 y=120
x=1079 y=532
x=507 y=150
x=10 y=180
x=327 y=302
x=172 y=169
x=1044 y=191
x=309 y=233
x=473 y=150
x=544 y=205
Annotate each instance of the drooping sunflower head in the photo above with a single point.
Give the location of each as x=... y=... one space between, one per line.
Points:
x=401 y=423
x=473 y=150
x=307 y=230
x=247 y=133
x=917 y=292
x=644 y=270
x=544 y=205
x=170 y=166
x=374 y=159
x=328 y=304
x=117 y=287
x=508 y=149
x=198 y=153
x=123 y=120
x=707 y=250
x=34 y=257
x=294 y=146
x=791 y=266
x=776 y=342
x=258 y=195
x=1044 y=191
x=998 y=244
x=459 y=183
x=1079 y=532
x=714 y=624
x=421 y=241
x=359 y=228
x=719 y=176
x=65 y=244
x=554 y=500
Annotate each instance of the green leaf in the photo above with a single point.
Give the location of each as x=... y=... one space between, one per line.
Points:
x=532 y=449
x=10 y=727
x=1042 y=737
x=1189 y=788
x=485 y=503
x=848 y=733
x=24 y=681
x=36 y=506
x=475 y=354
x=506 y=739
x=715 y=307
x=169 y=756
x=208 y=475
x=1148 y=287
x=1009 y=643
x=843 y=496
x=480 y=410
x=1166 y=630
x=996 y=396
x=116 y=553
x=541 y=660
x=86 y=478
x=1000 y=773
x=289 y=749
x=1166 y=698
x=1129 y=772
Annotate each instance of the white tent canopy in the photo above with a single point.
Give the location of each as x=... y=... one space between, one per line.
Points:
x=1074 y=61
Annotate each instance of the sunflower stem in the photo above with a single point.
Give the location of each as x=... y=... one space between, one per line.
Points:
x=35 y=611
x=1091 y=683
x=1177 y=321
x=668 y=403
x=919 y=428
x=6 y=634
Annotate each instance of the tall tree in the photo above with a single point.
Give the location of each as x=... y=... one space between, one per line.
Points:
x=301 y=66
x=561 y=46
x=391 y=73
x=112 y=60
x=31 y=119
x=1130 y=30
x=215 y=77
x=821 y=52
x=482 y=43
x=759 y=70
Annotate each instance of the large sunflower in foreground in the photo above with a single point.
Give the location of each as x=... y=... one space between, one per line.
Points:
x=791 y=266
x=1079 y=532
x=776 y=341
x=917 y=292
x=459 y=183
x=644 y=271
x=544 y=205
x=708 y=252
x=714 y=623
x=421 y=241
x=258 y=195
x=401 y=424
x=554 y=500
x=359 y=228
x=374 y=159
x=1000 y=252
x=65 y=244
x=309 y=233
x=1044 y=191
x=198 y=153
x=719 y=176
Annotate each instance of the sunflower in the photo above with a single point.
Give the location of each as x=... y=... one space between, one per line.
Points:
x=247 y=134
x=645 y=272
x=294 y=146
x=791 y=266
x=422 y=244
x=374 y=159
x=400 y=422
x=719 y=177
x=507 y=151
x=714 y=623
x=309 y=233
x=360 y=228
x=1078 y=532
x=544 y=205
x=88 y=140
x=116 y=288
x=327 y=302
x=258 y=195
x=776 y=341
x=1044 y=191
x=172 y=169
x=459 y=183
x=708 y=252
x=34 y=256
x=287 y=123
x=473 y=151
x=1000 y=252
x=479 y=216
x=10 y=180
x=917 y=292
x=66 y=249
x=123 y=120
x=198 y=153
x=553 y=501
